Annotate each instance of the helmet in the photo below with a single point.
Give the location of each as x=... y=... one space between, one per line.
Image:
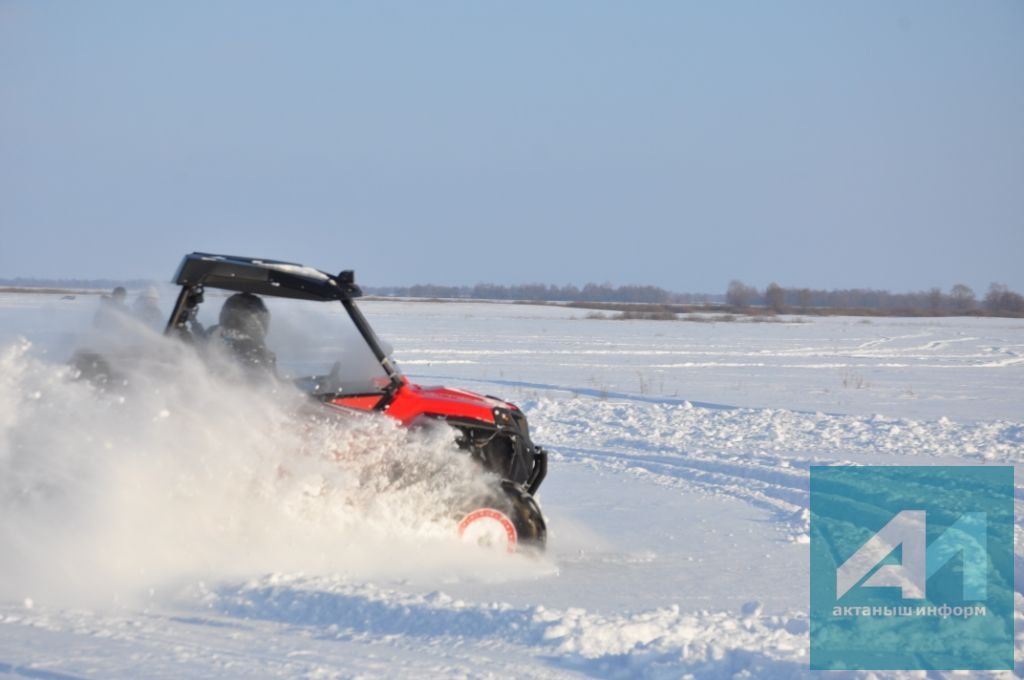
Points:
x=246 y=314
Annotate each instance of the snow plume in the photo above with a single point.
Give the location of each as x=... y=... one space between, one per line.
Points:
x=174 y=472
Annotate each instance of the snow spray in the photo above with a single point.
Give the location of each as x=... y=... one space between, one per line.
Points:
x=173 y=474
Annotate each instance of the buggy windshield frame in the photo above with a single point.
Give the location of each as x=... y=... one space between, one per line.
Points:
x=272 y=278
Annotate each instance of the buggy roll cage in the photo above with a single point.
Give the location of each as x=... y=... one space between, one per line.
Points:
x=271 y=278
x=274 y=278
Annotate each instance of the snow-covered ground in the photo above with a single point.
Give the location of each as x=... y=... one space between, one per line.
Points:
x=158 y=537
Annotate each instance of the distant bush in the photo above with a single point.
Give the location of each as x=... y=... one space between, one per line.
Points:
x=647 y=316
x=710 y=318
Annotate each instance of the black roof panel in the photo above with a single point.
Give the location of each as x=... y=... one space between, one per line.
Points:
x=264 y=277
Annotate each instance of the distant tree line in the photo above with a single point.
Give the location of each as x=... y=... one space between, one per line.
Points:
x=960 y=299
x=591 y=292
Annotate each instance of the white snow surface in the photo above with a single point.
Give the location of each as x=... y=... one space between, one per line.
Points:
x=186 y=527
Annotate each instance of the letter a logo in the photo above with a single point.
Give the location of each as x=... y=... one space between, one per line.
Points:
x=907 y=529
x=920 y=562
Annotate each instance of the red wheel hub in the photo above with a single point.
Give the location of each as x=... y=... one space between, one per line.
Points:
x=488 y=526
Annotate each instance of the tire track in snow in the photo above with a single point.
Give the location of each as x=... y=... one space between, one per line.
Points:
x=785 y=494
x=759 y=456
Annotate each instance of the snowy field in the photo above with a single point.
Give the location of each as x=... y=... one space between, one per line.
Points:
x=156 y=537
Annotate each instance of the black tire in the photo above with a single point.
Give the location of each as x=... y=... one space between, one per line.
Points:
x=526 y=516
x=521 y=508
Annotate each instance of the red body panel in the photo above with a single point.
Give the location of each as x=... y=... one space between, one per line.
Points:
x=412 y=401
x=361 y=403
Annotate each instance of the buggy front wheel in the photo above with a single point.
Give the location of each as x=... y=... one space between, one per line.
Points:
x=509 y=519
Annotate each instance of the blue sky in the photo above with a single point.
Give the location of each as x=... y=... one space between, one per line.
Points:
x=871 y=144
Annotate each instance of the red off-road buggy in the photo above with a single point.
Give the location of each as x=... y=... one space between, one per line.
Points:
x=356 y=372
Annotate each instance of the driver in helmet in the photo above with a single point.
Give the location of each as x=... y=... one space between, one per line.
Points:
x=244 y=321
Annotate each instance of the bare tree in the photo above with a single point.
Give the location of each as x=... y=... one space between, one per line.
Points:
x=993 y=298
x=805 y=299
x=774 y=297
x=1002 y=299
x=739 y=294
x=963 y=297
